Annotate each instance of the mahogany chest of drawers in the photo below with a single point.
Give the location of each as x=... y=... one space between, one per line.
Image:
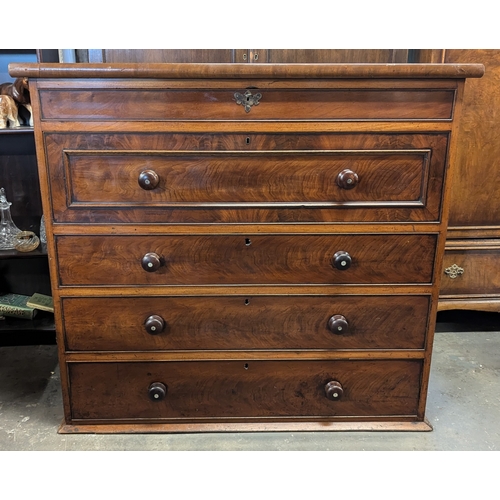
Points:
x=245 y=247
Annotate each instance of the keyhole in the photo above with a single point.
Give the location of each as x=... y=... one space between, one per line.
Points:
x=245 y=366
x=247 y=302
x=248 y=242
x=256 y=56
x=248 y=140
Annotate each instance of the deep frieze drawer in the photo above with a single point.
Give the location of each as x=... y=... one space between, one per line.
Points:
x=130 y=104
x=243 y=389
x=230 y=259
x=245 y=322
x=261 y=178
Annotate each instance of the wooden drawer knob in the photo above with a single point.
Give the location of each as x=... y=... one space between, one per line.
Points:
x=157 y=391
x=338 y=324
x=347 y=179
x=154 y=324
x=341 y=260
x=151 y=262
x=334 y=391
x=148 y=180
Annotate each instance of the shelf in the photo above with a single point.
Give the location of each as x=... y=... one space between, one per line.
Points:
x=17 y=130
x=38 y=331
x=41 y=251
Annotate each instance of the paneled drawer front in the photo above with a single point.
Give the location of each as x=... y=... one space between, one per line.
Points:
x=245 y=259
x=471 y=271
x=213 y=178
x=245 y=322
x=221 y=104
x=266 y=178
x=232 y=389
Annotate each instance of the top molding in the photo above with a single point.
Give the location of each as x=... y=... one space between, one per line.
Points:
x=254 y=70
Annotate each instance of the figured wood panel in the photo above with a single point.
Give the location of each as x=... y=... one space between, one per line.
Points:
x=393 y=166
x=249 y=55
x=250 y=259
x=245 y=322
x=480 y=271
x=229 y=389
x=293 y=56
x=476 y=181
x=95 y=104
x=103 y=179
x=166 y=56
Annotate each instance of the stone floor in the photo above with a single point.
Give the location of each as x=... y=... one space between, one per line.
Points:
x=463 y=407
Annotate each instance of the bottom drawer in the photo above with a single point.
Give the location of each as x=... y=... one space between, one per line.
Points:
x=194 y=390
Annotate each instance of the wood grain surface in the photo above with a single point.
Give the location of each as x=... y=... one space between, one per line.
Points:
x=251 y=259
x=245 y=322
x=212 y=389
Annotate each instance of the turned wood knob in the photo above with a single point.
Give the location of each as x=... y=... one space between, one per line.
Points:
x=342 y=260
x=157 y=391
x=151 y=262
x=148 y=179
x=154 y=324
x=347 y=179
x=338 y=324
x=334 y=391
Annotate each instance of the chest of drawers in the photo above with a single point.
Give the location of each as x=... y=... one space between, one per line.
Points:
x=245 y=247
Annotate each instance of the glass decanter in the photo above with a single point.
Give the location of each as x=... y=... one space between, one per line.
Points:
x=8 y=230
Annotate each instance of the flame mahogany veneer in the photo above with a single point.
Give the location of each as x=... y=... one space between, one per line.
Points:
x=245 y=247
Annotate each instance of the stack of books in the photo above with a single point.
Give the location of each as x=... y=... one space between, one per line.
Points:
x=24 y=306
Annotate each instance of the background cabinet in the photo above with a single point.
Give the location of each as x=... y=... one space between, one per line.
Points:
x=24 y=273
x=285 y=56
x=472 y=258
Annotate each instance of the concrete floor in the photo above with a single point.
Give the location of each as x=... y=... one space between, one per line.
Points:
x=463 y=407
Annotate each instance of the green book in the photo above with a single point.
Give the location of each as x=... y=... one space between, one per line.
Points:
x=42 y=302
x=15 y=305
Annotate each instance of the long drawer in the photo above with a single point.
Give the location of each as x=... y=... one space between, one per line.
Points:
x=230 y=259
x=194 y=390
x=245 y=322
x=242 y=104
x=213 y=178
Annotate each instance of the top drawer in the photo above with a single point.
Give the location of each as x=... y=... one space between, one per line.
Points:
x=247 y=104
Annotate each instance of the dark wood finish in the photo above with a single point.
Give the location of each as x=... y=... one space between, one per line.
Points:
x=239 y=71
x=245 y=293
x=479 y=261
x=204 y=104
x=240 y=389
x=474 y=224
x=229 y=259
x=164 y=56
x=334 y=391
x=292 y=56
x=475 y=185
x=244 y=322
x=248 y=55
x=192 y=177
x=401 y=177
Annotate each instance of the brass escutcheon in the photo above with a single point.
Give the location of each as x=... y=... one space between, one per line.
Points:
x=453 y=271
x=247 y=99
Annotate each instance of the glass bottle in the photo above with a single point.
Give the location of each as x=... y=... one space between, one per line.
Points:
x=8 y=230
